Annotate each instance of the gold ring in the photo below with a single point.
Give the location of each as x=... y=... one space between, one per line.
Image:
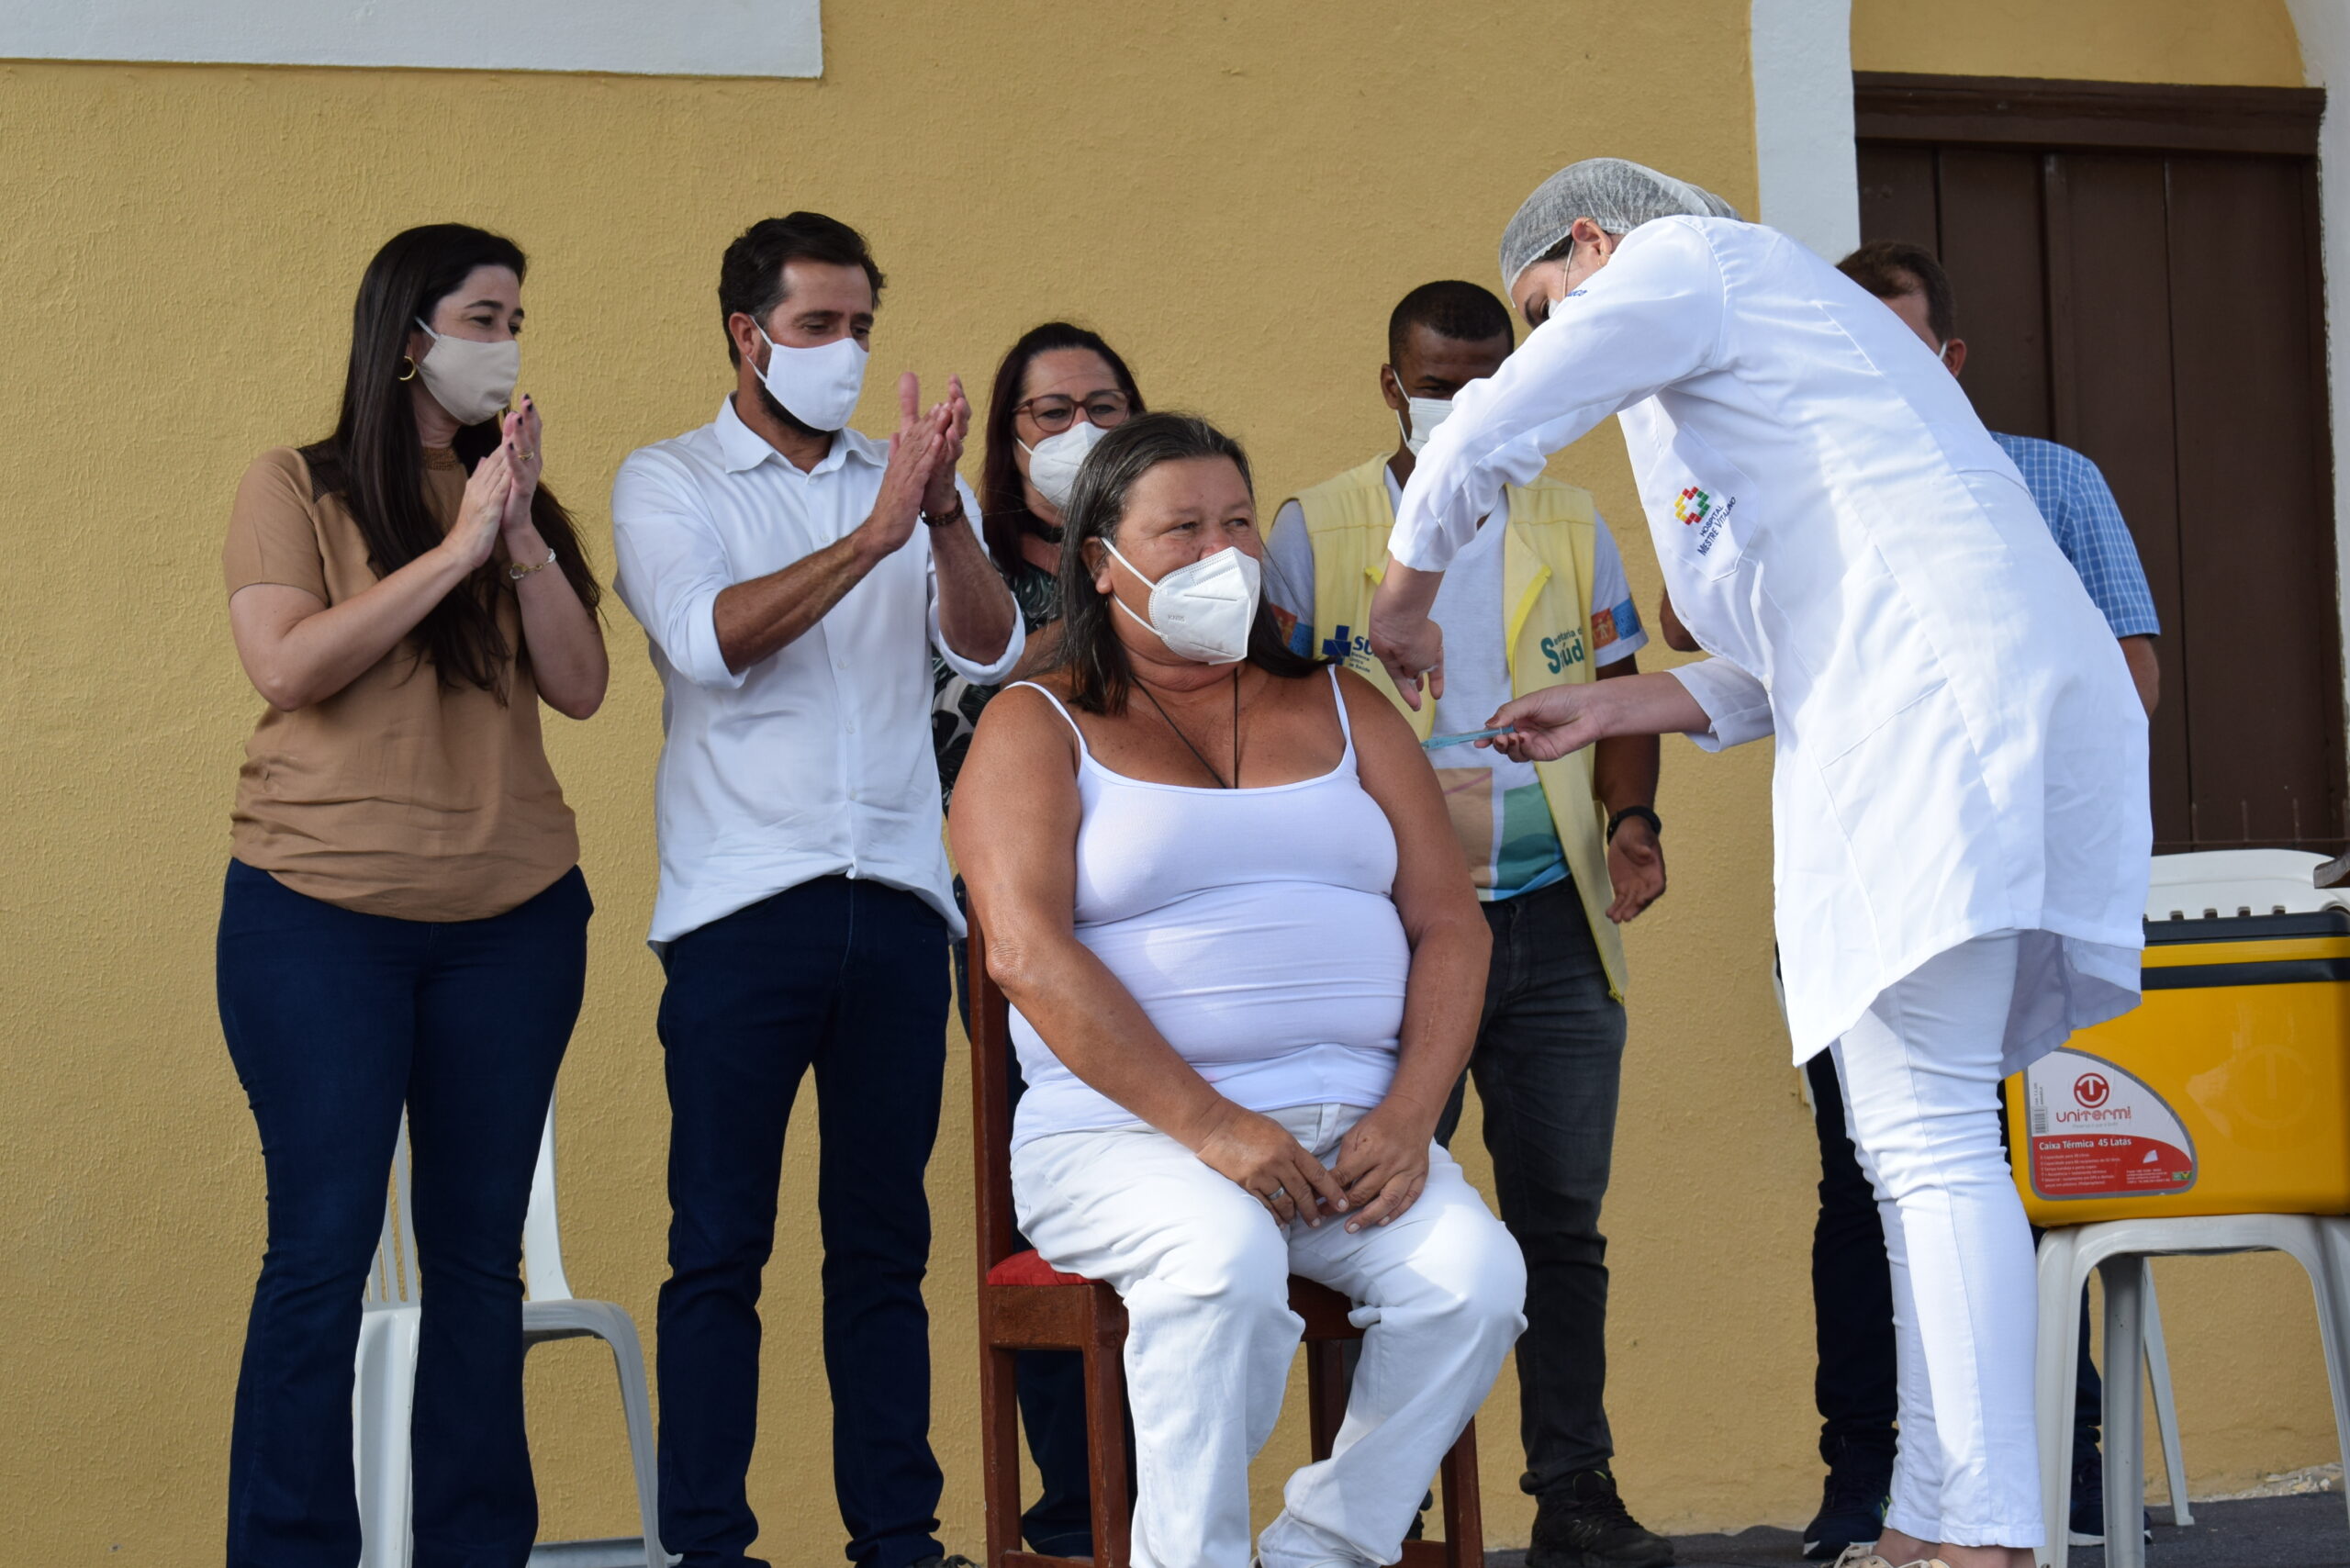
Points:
x=531 y=455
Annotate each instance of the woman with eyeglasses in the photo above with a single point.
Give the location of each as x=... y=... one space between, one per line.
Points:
x=1058 y=392
x=404 y=925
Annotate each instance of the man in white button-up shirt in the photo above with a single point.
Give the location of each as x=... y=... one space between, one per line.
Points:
x=792 y=576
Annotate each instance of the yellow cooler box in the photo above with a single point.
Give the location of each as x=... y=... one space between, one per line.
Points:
x=2226 y=1091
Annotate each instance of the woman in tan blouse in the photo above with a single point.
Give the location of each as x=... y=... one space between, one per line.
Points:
x=405 y=924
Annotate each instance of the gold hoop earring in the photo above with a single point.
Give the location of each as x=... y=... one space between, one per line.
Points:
x=410 y=374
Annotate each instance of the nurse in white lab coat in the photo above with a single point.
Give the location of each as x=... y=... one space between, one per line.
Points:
x=1960 y=806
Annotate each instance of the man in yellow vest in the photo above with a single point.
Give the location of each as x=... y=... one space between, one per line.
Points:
x=1560 y=853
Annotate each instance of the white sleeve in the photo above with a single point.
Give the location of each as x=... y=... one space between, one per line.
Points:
x=991 y=673
x=671 y=566
x=1615 y=630
x=1737 y=706
x=1652 y=316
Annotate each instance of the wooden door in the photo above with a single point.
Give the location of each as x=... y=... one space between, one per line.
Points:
x=2137 y=274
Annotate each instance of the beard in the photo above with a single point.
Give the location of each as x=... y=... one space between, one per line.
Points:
x=789 y=420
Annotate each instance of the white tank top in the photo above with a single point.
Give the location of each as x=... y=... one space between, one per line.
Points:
x=1257 y=928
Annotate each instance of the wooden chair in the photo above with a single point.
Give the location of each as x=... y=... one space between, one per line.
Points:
x=1025 y=1304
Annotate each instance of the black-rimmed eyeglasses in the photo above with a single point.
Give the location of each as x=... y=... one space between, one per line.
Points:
x=1055 y=412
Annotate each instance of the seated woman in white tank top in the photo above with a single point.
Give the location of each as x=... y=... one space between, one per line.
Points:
x=1245 y=963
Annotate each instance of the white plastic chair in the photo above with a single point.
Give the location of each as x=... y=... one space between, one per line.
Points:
x=2117 y=1250
x=384 y=1393
x=551 y=1312
x=2210 y=884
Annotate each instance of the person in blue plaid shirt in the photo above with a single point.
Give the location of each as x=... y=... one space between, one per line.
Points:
x=1851 y=1290
x=2072 y=494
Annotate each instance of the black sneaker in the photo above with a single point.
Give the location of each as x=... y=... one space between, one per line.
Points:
x=1852 y=1506
x=1581 y=1523
x=2087 y=1521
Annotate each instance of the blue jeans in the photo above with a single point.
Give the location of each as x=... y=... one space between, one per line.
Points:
x=1549 y=1058
x=336 y=1021
x=848 y=977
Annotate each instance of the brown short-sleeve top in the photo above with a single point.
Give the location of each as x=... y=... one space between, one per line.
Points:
x=399 y=795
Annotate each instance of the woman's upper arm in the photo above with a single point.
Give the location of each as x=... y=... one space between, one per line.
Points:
x=259 y=616
x=1432 y=872
x=1014 y=824
x=272 y=567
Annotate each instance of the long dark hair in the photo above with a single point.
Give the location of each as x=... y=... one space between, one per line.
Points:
x=1100 y=674
x=375 y=459
x=1004 y=504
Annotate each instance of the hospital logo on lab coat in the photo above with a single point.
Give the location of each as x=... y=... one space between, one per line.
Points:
x=1695 y=507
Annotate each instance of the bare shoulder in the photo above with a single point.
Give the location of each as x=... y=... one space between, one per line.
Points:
x=1021 y=724
x=1369 y=713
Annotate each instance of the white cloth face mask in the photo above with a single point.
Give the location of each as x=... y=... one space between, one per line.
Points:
x=1204 y=611
x=821 y=385
x=1053 y=462
x=470 y=379
x=1420 y=421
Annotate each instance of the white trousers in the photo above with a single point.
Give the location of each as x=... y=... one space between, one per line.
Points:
x=1204 y=1273
x=1920 y=1076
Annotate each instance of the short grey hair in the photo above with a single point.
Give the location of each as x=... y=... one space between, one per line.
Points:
x=1615 y=192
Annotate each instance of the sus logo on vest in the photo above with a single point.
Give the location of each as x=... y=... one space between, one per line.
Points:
x=1348 y=648
x=1561 y=649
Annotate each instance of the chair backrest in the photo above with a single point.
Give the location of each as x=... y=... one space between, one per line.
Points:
x=2220 y=883
x=542 y=1276
x=393 y=1279
x=393 y=1282
x=990 y=1105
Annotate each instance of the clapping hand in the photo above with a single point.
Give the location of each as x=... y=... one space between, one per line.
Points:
x=481 y=515
x=520 y=446
x=955 y=416
x=917 y=457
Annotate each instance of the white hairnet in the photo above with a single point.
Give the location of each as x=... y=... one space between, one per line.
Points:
x=1615 y=192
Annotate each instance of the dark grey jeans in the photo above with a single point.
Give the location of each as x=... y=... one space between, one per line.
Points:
x=1549 y=1055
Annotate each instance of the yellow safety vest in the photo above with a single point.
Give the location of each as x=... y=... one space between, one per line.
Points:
x=1546 y=573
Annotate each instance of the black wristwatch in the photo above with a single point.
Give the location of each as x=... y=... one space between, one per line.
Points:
x=1656 y=824
x=955 y=516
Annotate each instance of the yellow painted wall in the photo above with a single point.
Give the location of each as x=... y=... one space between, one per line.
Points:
x=2238 y=43
x=1235 y=195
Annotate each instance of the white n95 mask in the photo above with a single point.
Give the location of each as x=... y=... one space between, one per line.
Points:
x=1203 y=610
x=1425 y=414
x=469 y=378
x=1053 y=462
x=818 y=387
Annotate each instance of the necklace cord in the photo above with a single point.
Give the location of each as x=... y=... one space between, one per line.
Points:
x=1195 y=751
